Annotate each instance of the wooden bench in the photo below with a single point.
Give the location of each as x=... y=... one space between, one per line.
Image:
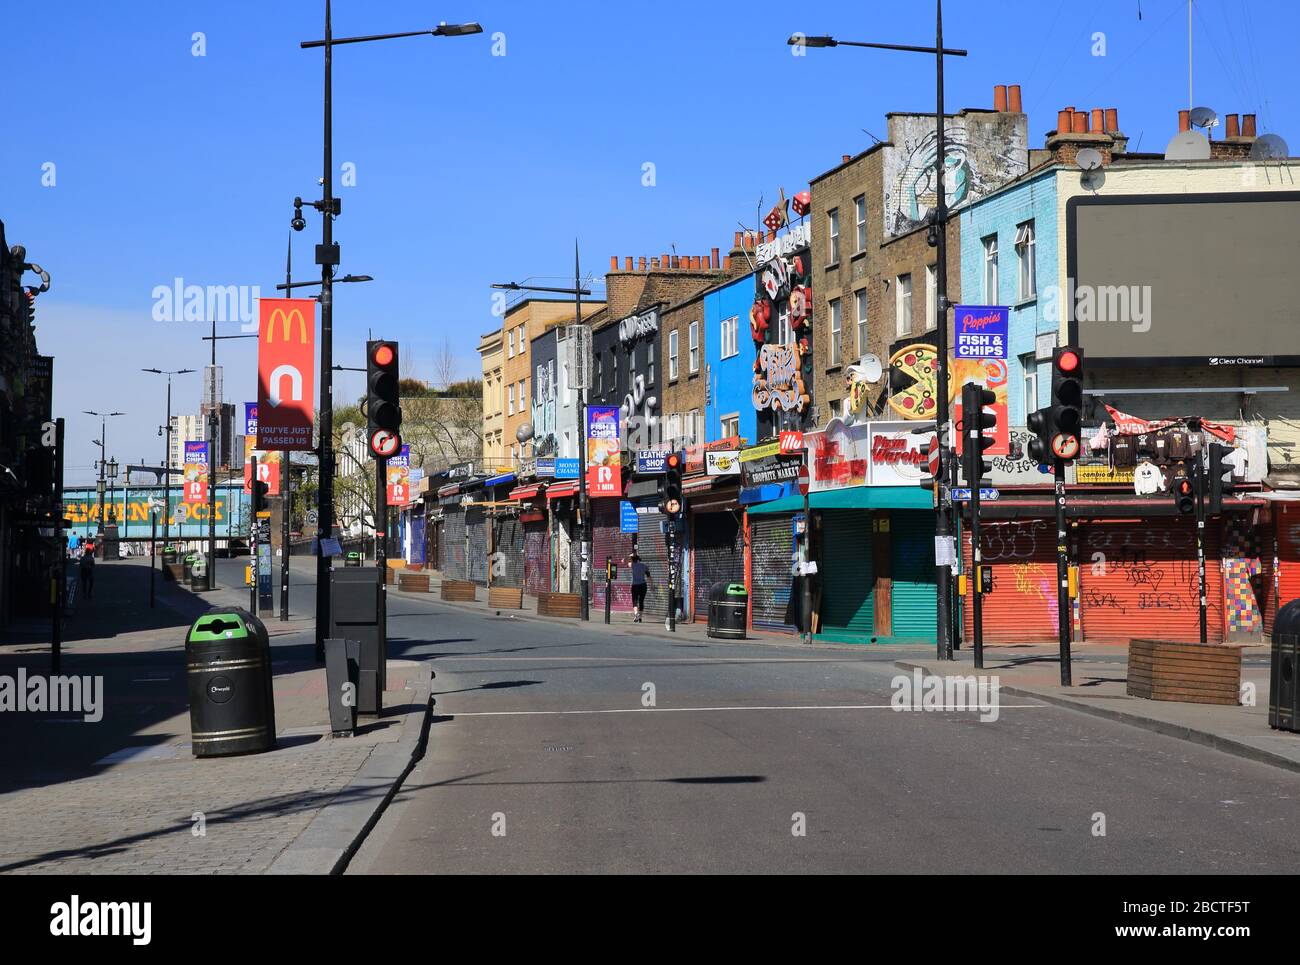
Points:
x=459 y=591
x=1196 y=673
x=506 y=597
x=559 y=605
x=413 y=582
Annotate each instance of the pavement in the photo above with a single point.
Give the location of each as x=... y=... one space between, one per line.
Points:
x=125 y=795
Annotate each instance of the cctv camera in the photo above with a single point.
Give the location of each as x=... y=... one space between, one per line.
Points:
x=297 y=224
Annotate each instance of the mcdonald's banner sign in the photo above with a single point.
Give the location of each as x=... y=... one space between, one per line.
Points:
x=268 y=468
x=286 y=372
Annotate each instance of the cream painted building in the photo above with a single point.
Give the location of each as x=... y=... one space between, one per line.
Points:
x=494 y=449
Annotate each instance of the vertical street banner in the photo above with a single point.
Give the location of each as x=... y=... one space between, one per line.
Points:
x=992 y=374
x=604 y=467
x=268 y=467
x=399 y=478
x=980 y=331
x=250 y=419
x=286 y=373
x=195 y=469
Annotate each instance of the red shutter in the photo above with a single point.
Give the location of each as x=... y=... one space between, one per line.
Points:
x=1022 y=605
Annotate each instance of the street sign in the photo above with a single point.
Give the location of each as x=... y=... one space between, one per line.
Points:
x=650 y=461
x=627 y=517
x=963 y=495
x=803 y=480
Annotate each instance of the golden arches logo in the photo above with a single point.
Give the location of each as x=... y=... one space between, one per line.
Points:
x=286 y=325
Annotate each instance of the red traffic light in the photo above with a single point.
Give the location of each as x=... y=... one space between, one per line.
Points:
x=1067 y=361
x=673 y=460
x=383 y=355
x=1184 y=487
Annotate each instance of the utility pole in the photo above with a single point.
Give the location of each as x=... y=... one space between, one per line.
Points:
x=584 y=509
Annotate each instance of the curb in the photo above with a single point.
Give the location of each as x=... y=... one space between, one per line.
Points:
x=329 y=842
x=1190 y=734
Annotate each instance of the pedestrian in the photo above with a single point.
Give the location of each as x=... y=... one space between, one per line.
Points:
x=87 y=566
x=640 y=582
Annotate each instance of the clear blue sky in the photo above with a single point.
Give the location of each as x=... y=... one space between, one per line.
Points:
x=473 y=168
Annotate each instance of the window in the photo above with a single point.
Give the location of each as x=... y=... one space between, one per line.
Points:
x=730 y=425
x=510 y=344
x=784 y=332
x=599 y=381
x=836 y=323
x=694 y=347
x=991 y=270
x=903 y=304
x=674 y=426
x=550 y=379
x=510 y=402
x=672 y=355
x=729 y=337
x=1025 y=261
x=833 y=218
x=1030 y=386
x=931 y=295
x=861 y=299
x=693 y=429
x=522 y=406
x=860 y=220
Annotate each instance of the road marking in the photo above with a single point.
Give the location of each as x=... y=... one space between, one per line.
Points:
x=685 y=710
x=453 y=656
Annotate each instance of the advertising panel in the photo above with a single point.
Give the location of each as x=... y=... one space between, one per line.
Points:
x=286 y=373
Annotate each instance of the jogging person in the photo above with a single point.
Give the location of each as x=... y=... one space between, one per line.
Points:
x=640 y=582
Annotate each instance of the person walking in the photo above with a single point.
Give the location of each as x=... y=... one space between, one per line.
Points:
x=640 y=583
x=87 y=567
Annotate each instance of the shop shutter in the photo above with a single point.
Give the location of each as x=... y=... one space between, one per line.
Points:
x=508 y=541
x=607 y=541
x=453 y=544
x=719 y=555
x=1022 y=604
x=847 y=578
x=653 y=550
x=476 y=530
x=432 y=544
x=575 y=559
x=771 y=551
x=1287 y=578
x=1139 y=579
x=913 y=597
x=537 y=558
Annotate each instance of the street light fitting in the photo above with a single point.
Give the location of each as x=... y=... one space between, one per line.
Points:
x=442 y=30
x=799 y=40
x=167 y=372
x=514 y=286
x=457 y=29
x=346 y=279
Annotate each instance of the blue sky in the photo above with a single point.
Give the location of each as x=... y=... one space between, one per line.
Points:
x=473 y=168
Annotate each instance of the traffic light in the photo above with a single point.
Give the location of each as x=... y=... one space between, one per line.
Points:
x=1219 y=486
x=1184 y=490
x=383 y=408
x=260 y=490
x=1057 y=428
x=670 y=487
x=974 y=397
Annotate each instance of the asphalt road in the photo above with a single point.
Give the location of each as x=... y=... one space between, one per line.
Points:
x=543 y=758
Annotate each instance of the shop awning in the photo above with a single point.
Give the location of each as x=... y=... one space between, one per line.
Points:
x=449 y=490
x=525 y=492
x=765 y=493
x=856 y=497
x=560 y=490
x=501 y=480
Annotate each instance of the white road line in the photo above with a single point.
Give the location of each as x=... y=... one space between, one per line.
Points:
x=453 y=656
x=685 y=710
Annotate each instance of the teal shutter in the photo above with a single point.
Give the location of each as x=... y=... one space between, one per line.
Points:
x=914 y=598
x=848 y=578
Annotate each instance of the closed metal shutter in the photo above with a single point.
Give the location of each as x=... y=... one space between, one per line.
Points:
x=575 y=559
x=1287 y=578
x=1022 y=604
x=476 y=530
x=1139 y=579
x=848 y=579
x=508 y=545
x=719 y=555
x=913 y=599
x=452 y=543
x=607 y=541
x=537 y=558
x=771 y=551
x=653 y=549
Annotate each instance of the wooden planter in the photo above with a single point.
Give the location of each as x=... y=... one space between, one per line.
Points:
x=506 y=597
x=559 y=605
x=413 y=582
x=459 y=591
x=1196 y=673
x=173 y=572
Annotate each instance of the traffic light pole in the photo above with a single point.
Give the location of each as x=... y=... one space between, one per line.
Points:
x=1201 y=492
x=1062 y=575
x=805 y=602
x=672 y=574
x=975 y=581
x=252 y=540
x=61 y=550
x=381 y=549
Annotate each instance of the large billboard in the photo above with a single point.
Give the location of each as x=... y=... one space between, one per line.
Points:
x=131 y=507
x=286 y=372
x=1185 y=279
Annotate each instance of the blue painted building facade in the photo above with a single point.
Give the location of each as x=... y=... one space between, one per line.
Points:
x=1032 y=200
x=730 y=377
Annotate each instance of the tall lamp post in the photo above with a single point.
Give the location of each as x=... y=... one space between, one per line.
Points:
x=327 y=256
x=577 y=291
x=167 y=452
x=102 y=442
x=939 y=240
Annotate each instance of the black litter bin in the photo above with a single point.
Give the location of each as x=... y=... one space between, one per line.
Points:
x=169 y=555
x=728 y=610
x=1283 y=695
x=352 y=559
x=186 y=564
x=199 y=573
x=228 y=667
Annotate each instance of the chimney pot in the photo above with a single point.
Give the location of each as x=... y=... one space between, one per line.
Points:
x=714 y=258
x=676 y=261
x=844 y=158
x=613 y=262
x=736 y=243
x=1232 y=126
x=1063 y=122
x=654 y=262
x=1112 y=120
x=1080 y=121
x=726 y=262
x=1247 y=125
x=1013 y=99
x=1000 y=98
x=640 y=264
x=1184 y=121
x=627 y=263
x=1098 y=123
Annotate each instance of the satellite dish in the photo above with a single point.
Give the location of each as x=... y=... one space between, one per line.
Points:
x=1089 y=159
x=1269 y=147
x=1188 y=146
x=524 y=432
x=1204 y=117
x=872 y=370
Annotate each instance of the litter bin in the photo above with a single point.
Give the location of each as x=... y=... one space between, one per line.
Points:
x=1283 y=694
x=185 y=566
x=169 y=555
x=728 y=610
x=352 y=559
x=199 y=573
x=228 y=669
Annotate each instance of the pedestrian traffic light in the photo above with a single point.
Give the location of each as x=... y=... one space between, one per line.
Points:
x=1219 y=485
x=1184 y=490
x=670 y=486
x=383 y=408
x=974 y=398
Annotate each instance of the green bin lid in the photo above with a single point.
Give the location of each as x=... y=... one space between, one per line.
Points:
x=354 y=555
x=737 y=589
x=217 y=626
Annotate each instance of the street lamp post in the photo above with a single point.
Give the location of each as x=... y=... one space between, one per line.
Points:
x=327 y=256
x=939 y=239
x=102 y=443
x=167 y=453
